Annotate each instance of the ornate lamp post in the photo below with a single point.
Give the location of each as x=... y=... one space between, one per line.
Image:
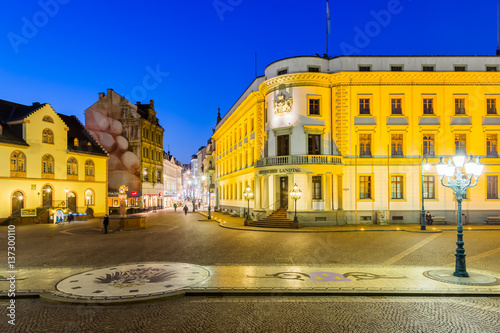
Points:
x=295 y=194
x=425 y=167
x=459 y=182
x=247 y=195
x=209 y=187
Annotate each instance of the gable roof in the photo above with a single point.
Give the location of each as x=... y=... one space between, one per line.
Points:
x=10 y=111
x=78 y=131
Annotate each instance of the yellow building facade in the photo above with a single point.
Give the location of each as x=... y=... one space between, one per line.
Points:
x=53 y=163
x=351 y=132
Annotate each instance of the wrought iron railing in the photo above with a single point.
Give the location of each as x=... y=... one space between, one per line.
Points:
x=299 y=159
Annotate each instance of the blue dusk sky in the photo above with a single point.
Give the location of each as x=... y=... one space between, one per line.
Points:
x=192 y=57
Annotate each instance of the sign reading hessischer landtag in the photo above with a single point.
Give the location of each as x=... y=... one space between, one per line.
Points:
x=281 y=170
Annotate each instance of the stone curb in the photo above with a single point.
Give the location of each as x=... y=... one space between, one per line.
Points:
x=411 y=228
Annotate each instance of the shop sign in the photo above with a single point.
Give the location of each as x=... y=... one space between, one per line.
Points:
x=25 y=212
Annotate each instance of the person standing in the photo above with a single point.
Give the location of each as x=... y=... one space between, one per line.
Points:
x=185 y=209
x=175 y=207
x=105 y=223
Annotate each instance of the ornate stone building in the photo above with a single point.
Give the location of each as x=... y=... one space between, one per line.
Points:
x=351 y=132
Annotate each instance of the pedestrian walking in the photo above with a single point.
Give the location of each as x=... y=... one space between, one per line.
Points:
x=185 y=209
x=175 y=207
x=70 y=217
x=105 y=223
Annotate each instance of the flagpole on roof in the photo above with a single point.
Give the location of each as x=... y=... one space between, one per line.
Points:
x=327 y=25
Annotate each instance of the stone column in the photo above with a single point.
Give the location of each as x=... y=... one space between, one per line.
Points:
x=258 y=193
x=265 y=199
x=328 y=191
x=290 y=186
x=309 y=192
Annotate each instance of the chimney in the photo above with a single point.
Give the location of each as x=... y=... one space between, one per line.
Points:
x=101 y=95
x=110 y=91
x=36 y=103
x=138 y=103
x=152 y=102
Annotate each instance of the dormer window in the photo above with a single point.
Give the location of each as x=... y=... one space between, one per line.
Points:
x=47 y=119
x=75 y=142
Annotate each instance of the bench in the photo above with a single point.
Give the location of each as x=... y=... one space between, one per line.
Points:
x=439 y=220
x=493 y=219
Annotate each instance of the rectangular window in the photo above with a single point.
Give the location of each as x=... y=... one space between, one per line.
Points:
x=365 y=187
x=460 y=144
x=397 y=145
x=283 y=71
x=364 y=106
x=429 y=186
x=364 y=68
x=146 y=177
x=365 y=143
x=491 y=145
x=396 y=68
x=283 y=145
x=316 y=180
x=459 y=105
x=428 y=68
x=396 y=106
x=313 y=69
x=314 y=144
x=492 y=187
x=491 y=106
x=459 y=68
x=491 y=68
x=396 y=187
x=428 y=106
x=314 y=106
x=428 y=145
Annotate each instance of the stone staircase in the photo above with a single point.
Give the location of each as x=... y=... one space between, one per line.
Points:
x=277 y=219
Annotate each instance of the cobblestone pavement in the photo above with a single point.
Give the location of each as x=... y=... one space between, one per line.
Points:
x=174 y=237
x=265 y=314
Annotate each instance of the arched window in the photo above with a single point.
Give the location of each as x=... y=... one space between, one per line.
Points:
x=89 y=197
x=72 y=166
x=47 y=119
x=17 y=161
x=89 y=168
x=47 y=136
x=48 y=164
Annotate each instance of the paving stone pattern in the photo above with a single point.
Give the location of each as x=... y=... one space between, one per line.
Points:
x=265 y=314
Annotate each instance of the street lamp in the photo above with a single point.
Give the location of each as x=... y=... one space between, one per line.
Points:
x=247 y=195
x=425 y=167
x=209 y=187
x=459 y=183
x=295 y=194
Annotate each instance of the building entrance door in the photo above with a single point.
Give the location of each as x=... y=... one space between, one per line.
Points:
x=283 y=192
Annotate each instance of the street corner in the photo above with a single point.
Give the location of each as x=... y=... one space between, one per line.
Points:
x=129 y=282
